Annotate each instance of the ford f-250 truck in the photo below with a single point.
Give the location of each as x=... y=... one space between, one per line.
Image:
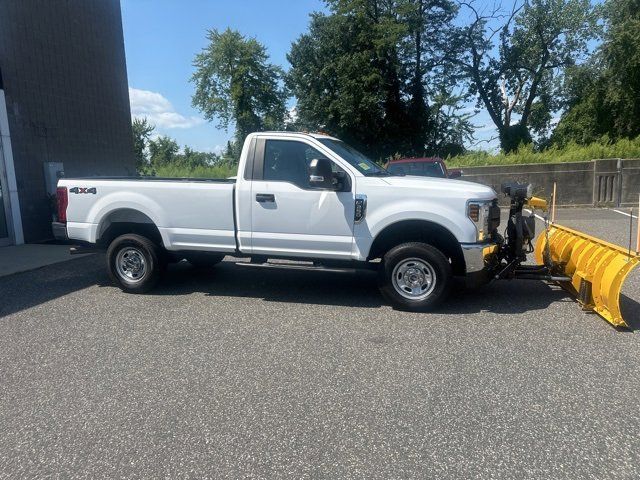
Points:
x=305 y=197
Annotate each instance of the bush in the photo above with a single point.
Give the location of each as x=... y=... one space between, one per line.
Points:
x=623 y=148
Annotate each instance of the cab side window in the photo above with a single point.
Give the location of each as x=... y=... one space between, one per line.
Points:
x=288 y=161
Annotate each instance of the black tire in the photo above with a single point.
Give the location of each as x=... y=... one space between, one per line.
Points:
x=140 y=257
x=419 y=262
x=204 y=260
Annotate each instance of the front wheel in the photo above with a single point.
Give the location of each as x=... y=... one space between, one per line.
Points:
x=415 y=276
x=134 y=263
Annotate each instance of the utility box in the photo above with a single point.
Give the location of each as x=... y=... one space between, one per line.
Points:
x=52 y=172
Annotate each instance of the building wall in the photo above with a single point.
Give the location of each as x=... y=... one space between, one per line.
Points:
x=64 y=72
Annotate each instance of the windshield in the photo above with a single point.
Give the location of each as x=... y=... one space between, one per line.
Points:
x=421 y=169
x=365 y=166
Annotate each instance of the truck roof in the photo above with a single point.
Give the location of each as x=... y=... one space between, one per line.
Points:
x=292 y=133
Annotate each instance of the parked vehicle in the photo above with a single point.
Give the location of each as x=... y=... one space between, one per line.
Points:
x=316 y=200
x=422 y=167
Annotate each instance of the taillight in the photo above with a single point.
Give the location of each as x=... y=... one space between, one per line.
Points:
x=62 y=198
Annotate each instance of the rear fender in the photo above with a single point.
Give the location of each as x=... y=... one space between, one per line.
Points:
x=119 y=201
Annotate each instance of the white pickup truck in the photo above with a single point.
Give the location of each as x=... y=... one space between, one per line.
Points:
x=310 y=198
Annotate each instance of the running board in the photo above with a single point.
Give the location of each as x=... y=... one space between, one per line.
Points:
x=83 y=249
x=297 y=266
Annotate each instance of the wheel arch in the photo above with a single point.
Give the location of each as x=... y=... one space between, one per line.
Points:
x=127 y=220
x=423 y=231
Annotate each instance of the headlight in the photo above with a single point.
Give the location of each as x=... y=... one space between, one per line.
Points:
x=478 y=212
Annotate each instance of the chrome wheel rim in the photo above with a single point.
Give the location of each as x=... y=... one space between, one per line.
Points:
x=131 y=265
x=414 y=278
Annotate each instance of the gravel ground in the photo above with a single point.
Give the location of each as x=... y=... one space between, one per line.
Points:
x=238 y=373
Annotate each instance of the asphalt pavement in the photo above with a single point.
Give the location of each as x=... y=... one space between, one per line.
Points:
x=245 y=373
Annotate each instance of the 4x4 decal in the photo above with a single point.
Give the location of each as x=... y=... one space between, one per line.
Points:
x=83 y=190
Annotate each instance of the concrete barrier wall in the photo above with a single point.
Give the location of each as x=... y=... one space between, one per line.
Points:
x=630 y=182
x=607 y=182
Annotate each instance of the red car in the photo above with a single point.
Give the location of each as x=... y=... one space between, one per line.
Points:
x=422 y=167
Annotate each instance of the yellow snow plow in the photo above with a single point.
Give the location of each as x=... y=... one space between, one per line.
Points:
x=590 y=269
x=597 y=269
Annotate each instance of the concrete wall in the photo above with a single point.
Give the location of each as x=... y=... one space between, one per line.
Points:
x=607 y=182
x=66 y=88
x=630 y=182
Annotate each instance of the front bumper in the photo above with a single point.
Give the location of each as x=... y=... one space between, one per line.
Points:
x=59 y=231
x=477 y=256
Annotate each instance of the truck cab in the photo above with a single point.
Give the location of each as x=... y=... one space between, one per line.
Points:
x=305 y=197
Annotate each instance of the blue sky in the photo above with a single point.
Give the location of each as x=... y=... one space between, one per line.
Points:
x=163 y=36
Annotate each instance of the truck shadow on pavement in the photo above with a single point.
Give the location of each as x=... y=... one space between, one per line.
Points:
x=348 y=290
x=29 y=289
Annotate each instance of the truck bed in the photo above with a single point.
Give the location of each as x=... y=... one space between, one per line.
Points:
x=191 y=214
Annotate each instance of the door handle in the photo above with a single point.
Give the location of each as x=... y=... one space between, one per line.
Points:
x=265 y=197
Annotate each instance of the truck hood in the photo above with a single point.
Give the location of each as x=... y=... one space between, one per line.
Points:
x=447 y=186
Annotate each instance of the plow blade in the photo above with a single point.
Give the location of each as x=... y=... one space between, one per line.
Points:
x=597 y=269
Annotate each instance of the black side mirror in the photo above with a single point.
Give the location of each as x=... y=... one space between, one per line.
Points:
x=321 y=174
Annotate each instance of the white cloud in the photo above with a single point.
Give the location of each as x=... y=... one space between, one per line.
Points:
x=218 y=149
x=158 y=110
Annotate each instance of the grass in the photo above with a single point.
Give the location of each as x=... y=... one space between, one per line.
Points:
x=181 y=171
x=571 y=153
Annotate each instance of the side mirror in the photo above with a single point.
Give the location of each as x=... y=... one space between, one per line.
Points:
x=455 y=173
x=321 y=174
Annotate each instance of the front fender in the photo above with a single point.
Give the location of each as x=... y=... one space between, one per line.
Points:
x=382 y=216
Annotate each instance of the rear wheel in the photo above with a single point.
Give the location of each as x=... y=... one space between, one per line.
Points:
x=134 y=263
x=415 y=276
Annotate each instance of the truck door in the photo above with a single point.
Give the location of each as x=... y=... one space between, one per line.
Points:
x=291 y=218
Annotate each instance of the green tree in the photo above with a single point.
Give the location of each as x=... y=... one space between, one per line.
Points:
x=163 y=151
x=235 y=83
x=603 y=97
x=450 y=129
x=192 y=158
x=426 y=51
x=336 y=81
x=366 y=72
x=230 y=154
x=518 y=75
x=142 y=131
